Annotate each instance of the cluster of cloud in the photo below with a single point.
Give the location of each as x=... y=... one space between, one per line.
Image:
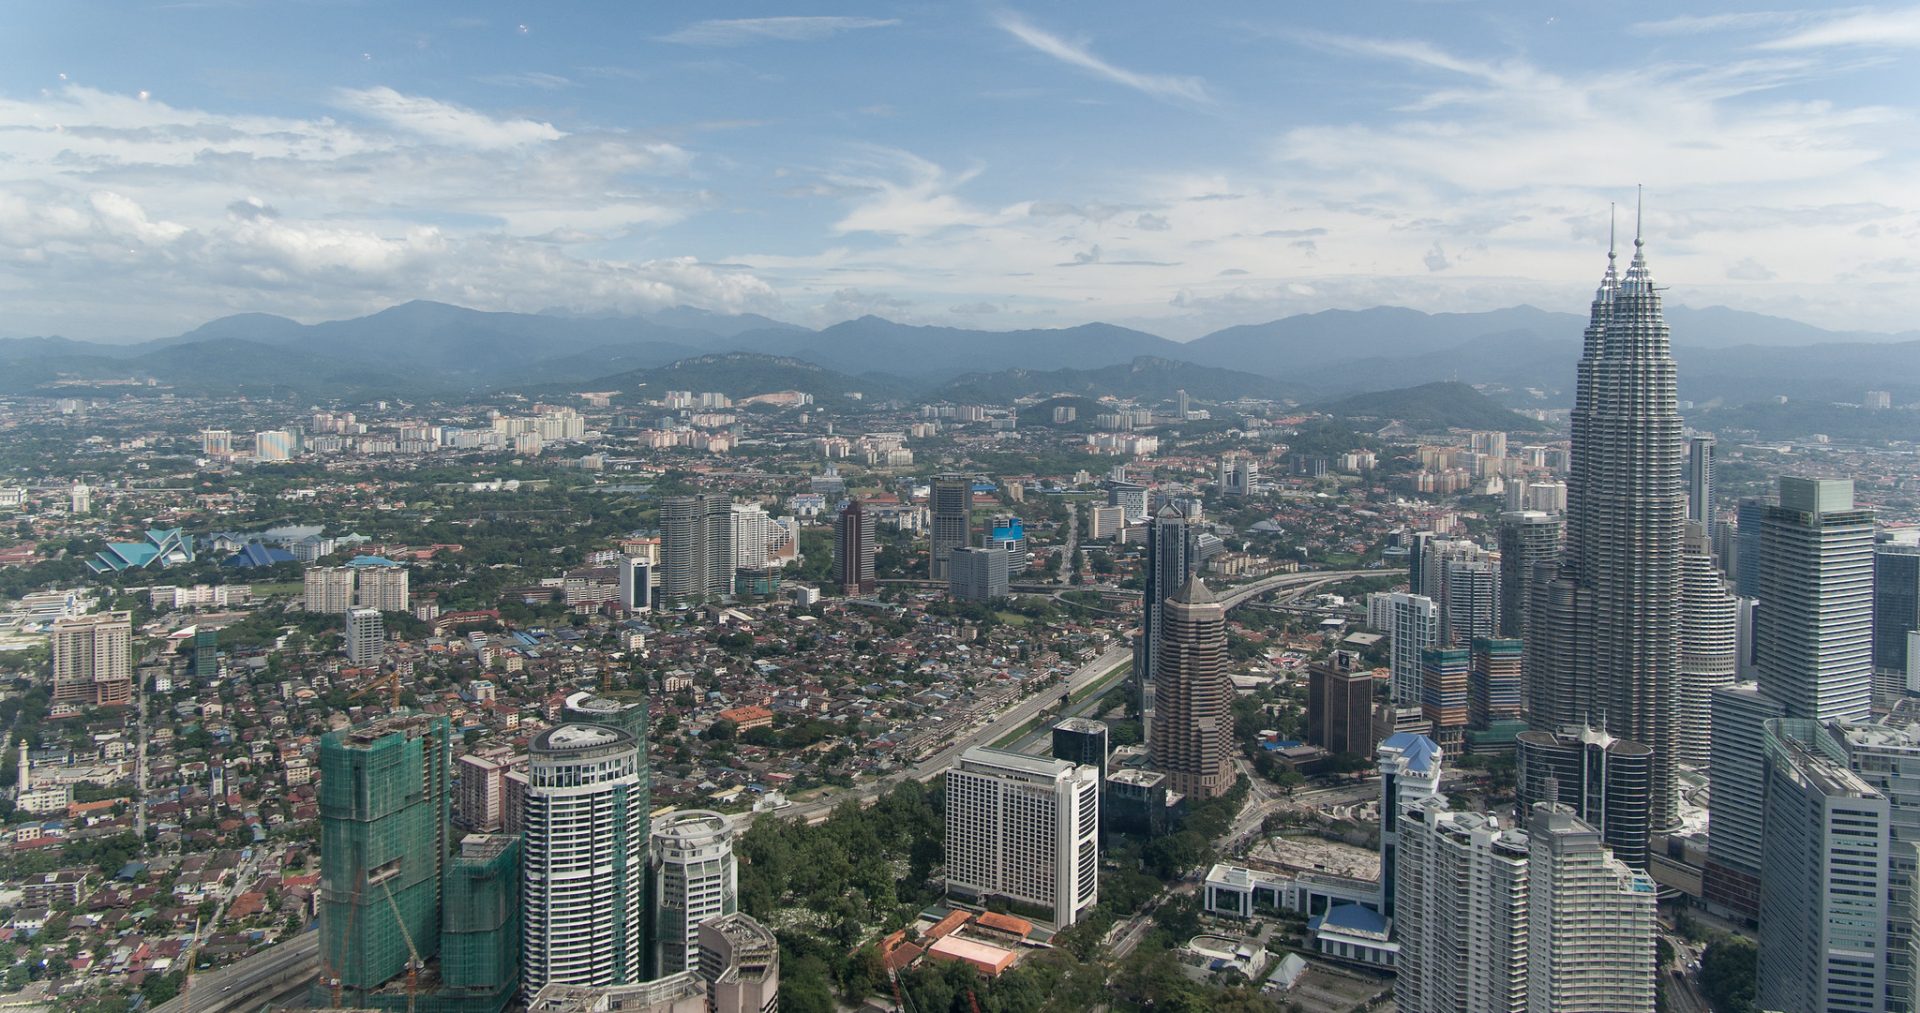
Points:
x=186 y=212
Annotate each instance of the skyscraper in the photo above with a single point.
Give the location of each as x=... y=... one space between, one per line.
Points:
x=1601 y=779
x=1444 y=674
x=1887 y=757
x=1025 y=828
x=696 y=543
x=1896 y=613
x=694 y=878
x=1700 y=468
x=1410 y=768
x=1192 y=731
x=1528 y=539
x=328 y=589
x=480 y=928
x=585 y=858
x=1738 y=789
x=1495 y=691
x=853 y=550
x=1412 y=624
x=1171 y=560
x=1823 y=897
x=1340 y=705
x=1625 y=511
x=1469 y=600
x=1750 y=516
x=384 y=800
x=1816 y=601
x=1709 y=645
x=1590 y=922
x=951 y=523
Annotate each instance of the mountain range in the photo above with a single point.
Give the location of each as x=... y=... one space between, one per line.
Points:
x=433 y=350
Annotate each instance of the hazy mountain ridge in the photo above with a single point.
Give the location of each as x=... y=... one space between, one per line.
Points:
x=434 y=349
x=1432 y=406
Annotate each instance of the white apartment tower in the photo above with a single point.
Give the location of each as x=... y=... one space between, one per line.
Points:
x=1025 y=828
x=366 y=637
x=1590 y=936
x=749 y=535
x=584 y=860
x=1460 y=900
x=1412 y=622
x=329 y=589
x=92 y=658
x=1709 y=644
x=694 y=879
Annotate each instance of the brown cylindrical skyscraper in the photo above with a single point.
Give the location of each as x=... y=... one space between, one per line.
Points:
x=1193 y=722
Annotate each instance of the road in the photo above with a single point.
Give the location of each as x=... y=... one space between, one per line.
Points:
x=258 y=977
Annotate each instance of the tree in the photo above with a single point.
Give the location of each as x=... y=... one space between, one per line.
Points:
x=1728 y=970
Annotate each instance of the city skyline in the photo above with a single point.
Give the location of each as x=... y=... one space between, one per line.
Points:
x=642 y=159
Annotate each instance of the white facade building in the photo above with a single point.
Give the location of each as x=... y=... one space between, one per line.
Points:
x=366 y=637
x=1590 y=935
x=694 y=879
x=1024 y=828
x=585 y=820
x=1412 y=621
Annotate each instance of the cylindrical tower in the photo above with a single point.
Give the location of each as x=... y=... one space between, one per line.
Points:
x=585 y=858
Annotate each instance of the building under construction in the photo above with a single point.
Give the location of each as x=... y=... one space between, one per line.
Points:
x=384 y=805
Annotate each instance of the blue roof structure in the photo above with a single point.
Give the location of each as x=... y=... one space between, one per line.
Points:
x=1420 y=752
x=255 y=554
x=163 y=547
x=1350 y=918
x=365 y=561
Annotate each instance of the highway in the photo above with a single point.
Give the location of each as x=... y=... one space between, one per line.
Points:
x=249 y=981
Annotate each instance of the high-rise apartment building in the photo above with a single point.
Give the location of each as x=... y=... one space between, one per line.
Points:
x=740 y=962
x=1823 y=896
x=1410 y=768
x=749 y=535
x=1081 y=742
x=1026 y=829
x=1460 y=903
x=1172 y=558
x=1700 y=474
x=1340 y=704
x=366 y=638
x=854 y=549
x=92 y=659
x=694 y=878
x=977 y=574
x=1496 y=691
x=329 y=589
x=1192 y=733
x=1528 y=539
x=696 y=543
x=482 y=787
x=1896 y=613
x=585 y=858
x=382 y=585
x=950 y=521
x=1816 y=601
x=1412 y=624
x=216 y=442
x=1469 y=600
x=1601 y=779
x=1709 y=645
x=273 y=445
x=1590 y=922
x=385 y=791
x=1611 y=640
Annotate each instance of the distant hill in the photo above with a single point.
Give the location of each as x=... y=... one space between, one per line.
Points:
x=1147 y=378
x=938 y=353
x=1432 y=407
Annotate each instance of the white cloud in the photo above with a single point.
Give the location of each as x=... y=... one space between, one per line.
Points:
x=1895 y=28
x=1162 y=86
x=443 y=122
x=741 y=31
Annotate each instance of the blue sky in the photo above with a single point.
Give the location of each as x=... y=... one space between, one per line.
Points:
x=1176 y=167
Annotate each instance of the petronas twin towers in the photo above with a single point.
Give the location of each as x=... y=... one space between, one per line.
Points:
x=1605 y=628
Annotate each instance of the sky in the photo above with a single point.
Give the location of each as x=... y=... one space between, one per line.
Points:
x=1172 y=167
